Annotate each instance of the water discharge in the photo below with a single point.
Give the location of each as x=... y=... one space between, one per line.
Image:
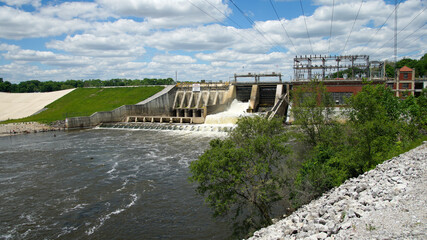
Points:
x=230 y=116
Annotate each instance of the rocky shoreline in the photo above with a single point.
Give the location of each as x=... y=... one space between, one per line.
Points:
x=388 y=202
x=28 y=127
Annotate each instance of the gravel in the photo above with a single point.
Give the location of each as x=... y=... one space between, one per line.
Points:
x=388 y=202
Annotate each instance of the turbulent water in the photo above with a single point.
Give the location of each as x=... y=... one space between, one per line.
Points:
x=103 y=184
x=236 y=110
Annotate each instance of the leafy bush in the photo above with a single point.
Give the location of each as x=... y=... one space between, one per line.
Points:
x=242 y=173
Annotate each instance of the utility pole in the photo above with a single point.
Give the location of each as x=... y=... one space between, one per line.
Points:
x=395 y=39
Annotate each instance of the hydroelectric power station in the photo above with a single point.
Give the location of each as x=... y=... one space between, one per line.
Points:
x=192 y=103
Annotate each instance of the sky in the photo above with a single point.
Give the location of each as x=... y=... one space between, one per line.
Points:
x=197 y=39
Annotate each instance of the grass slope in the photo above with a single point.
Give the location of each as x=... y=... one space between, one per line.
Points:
x=86 y=101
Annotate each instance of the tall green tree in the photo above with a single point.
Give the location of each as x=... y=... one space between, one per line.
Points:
x=241 y=175
x=312 y=109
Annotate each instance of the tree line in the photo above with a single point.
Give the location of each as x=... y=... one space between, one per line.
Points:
x=49 y=86
x=420 y=66
x=263 y=170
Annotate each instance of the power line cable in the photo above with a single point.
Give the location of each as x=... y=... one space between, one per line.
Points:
x=305 y=22
x=412 y=34
x=225 y=15
x=406 y=37
x=278 y=18
x=216 y=18
x=330 y=30
x=394 y=37
x=373 y=35
x=355 y=19
x=255 y=27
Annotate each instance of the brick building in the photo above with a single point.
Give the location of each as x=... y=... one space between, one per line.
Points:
x=406 y=84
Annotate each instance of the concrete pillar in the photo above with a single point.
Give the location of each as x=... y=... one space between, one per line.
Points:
x=230 y=95
x=279 y=93
x=190 y=100
x=199 y=97
x=216 y=98
x=181 y=105
x=254 y=100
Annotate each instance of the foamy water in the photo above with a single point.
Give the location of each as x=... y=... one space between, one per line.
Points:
x=229 y=117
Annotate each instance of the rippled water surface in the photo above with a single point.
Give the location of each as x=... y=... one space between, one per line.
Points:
x=103 y=184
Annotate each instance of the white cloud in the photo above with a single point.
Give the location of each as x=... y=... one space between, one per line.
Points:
x=70 y=10
x=35 y=3
x=18 y=24
x=211 y=37
x=118 y=46
x=173 y=59
x=152 y=38
x=121 y=26
x=170 y=13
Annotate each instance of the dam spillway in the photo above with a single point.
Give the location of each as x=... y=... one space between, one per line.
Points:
x=193 y=103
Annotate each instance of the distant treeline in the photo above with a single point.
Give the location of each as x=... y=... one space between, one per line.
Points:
x=49 y=86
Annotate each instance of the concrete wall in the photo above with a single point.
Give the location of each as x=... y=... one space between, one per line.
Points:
x=253 y=102
x=160 y=106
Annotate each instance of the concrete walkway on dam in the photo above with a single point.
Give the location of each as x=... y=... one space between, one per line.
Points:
x=20 y=105
x=165 y=90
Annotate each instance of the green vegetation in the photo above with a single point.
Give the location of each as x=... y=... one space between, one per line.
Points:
x=241 y=175
x=420 y=66
x=247 y=174
x=312 y=110
x=379 y=127
x=86 y=101
x=49 y=86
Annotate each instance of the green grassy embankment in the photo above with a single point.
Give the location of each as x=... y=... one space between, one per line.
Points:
x=86 y=101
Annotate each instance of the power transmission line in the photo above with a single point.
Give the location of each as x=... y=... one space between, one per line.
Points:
x=305 y=22
x=370 y=39
x=355 y=19
x=401 y=30
x=413 y=33
x=330 y=30
x=204 y=11
x=216 y=18
x=255 y=27
x=278 y=18
x=225 y=15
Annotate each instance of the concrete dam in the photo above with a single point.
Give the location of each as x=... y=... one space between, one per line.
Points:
x=192 y=103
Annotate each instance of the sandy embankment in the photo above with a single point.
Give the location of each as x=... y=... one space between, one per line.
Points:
x=20 y=105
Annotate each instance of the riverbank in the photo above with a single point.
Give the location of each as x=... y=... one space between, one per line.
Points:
x=25 y=128
x=388 y=202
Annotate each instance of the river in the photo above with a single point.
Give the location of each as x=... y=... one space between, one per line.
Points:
x=104 y=184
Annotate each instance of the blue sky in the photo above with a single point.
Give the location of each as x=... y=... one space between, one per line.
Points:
x=199 y=39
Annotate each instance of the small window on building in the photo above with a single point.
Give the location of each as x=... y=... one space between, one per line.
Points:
x=405 y=75
x=340 y=97
x=390 y=85
x=405 y=85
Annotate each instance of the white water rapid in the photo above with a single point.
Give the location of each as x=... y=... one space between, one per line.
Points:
x=230 y=116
